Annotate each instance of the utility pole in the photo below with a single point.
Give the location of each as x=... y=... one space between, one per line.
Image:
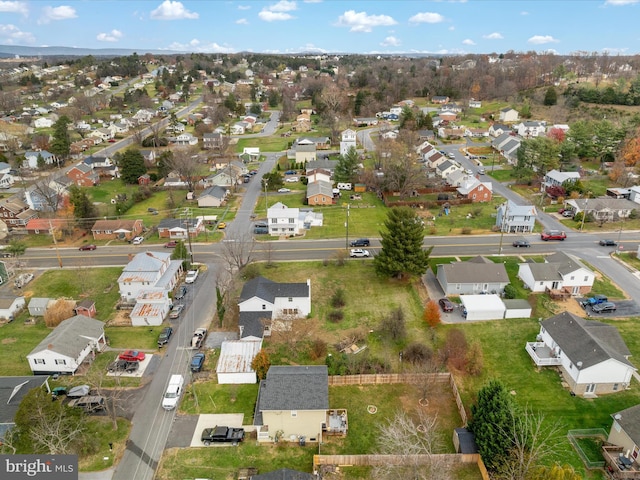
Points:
x=346 y=224
x=584 y=212
x=187 y=216
x=55 y=243
x=503 y=223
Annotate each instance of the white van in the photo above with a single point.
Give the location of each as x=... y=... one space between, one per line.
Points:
x=174 y=390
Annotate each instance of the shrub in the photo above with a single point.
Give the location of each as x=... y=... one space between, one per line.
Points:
x=251 y=271
x=393 y=325
x=417 y=353
x=336 y=316
x=318 y=349
x=454 y=352
x=466 y=231
x=338 y=300
x=431 y=314
x=59 y=311
x=510 y=291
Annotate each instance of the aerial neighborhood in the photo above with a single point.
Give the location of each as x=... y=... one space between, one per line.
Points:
x=338 y=267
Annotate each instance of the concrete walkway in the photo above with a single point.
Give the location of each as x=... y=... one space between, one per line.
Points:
x=102 y=475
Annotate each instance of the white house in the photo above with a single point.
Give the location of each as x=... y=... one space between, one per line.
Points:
x=347 y=141
x=67 y=346
x=508 y=114
x=531 y=128
x=592 y=356
x=234 y=364
x=186 y=139
x=556 y=178
x=42 y=122
x=559 y=271
x=11 y=306
x=31 y=158
x=283 y=220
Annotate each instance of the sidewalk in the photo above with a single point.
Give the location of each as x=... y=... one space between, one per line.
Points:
x=102 y=475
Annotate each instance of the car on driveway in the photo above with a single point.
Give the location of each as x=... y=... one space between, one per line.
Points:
x=132 y=356
x=568 y=214
x=176 y=311
x=283 y=190
x=290 y=172
x=137 y=240
x=192 y=276
x=446 y=305
x=521 y=243
x=607 y=243
x=123 y=366
x=358 y=253
x=604 y=307
x=222 y=226
x=291 y=179
x=180 y=293
x=91 y=246
x=171 y=244
x=164 y=336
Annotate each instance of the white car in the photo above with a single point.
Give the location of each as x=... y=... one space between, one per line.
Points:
x=283 y=190
x=191 y=276
x=291 y=179
x=358 y=253
x=137 y=240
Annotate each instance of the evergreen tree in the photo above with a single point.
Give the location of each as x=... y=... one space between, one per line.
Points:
x=83 y=209
x=402 y=254
x=347 y=168
x=491 y=423
x=551 y=96
x=131 y=166
x=61 y=143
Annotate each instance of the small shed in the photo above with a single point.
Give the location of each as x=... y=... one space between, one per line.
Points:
x=464 y=441
x=234 y=364
x=359 y=188
x=517 y=308
x=10 y=307
x=38 y=306
x=483 y=307
x=86 y=307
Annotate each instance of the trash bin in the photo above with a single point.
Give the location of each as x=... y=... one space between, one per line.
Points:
x=302 y=440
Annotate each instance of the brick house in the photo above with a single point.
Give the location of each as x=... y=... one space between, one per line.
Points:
x=83 y=175
x=116 y=229
x=15 y=213
x=320 y=193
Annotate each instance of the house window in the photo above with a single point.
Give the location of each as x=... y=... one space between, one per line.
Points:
x=615 y=387
x=61 y=361
x=573 y=277
x=291 y=220
x=294 y=413
x=264 y=307
x=274 y=220
x=291 y=299
x=586 y=277
x=39 y=361
x=473 y=196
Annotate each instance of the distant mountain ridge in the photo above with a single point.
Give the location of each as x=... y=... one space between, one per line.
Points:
x=24 y=51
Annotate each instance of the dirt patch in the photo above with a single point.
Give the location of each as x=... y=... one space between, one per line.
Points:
x=121 y=319
x=6 y=341
x=571 y=305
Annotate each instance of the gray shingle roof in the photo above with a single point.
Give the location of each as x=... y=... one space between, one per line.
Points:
x=216 y=192
x=70 y=337
x=303 y=387
x=565 y=263
x=252 y=324
x=169 y=223
x=586 y=341
x=474 y=272
x=268 y=290
x=629 y=420
x=320 y=188
x=284 y=474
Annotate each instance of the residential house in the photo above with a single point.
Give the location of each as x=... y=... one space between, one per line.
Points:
x=440 y=99
x=305 y=151
x=143 y=116
x=45 y=198
x=531 y=128
x=319 y=192
x=512 y=218
x=234 y=363
x=11 y=306
x=458 y=178
x=149 y=156
x=46 y=226
x=450 y=107
x=634 y=194
x=559 y=272
x=102 y=133
x=603 y=209
x=103 y=165
x=73 y=341
x=116 y=229
x=592 y=356
x=475 y=190
x=497 y=129
x=86 y=307
x=475 y=104
x=15 y=213
x=31 y=159
x=283 y=220
x=508 y=114
x=556 y=178
x=6 y=177
x=323 y=164
x=38 y=306
x=212 y=197
x=625 y=433
x=237 y=129
x=174 y=179
x=437 y=159
x=475 y=276
x=318 y=174
x=365 y=121
x=250 y=154
x=451 y=133
x=444 y=169
x=83 y=175
x=302 y=123
x=147 y=281
x=42 y=122
x=176 y=228
x=186 y=139
x=347 y=141
x=476 y=132
x=447 y=117
x=321 y=143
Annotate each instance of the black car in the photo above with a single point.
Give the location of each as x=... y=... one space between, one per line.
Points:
x=446 y=305
x=521 y=243
x=123 y=366
x=607 y=243
x=197 y=362
x=164 y=336
x=361 y=242
x=604 y=307
x=180 y=293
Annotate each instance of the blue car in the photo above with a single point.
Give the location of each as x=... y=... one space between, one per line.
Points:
x=290 y=172
x=197 y=362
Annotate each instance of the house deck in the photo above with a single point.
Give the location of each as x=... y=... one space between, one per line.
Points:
x=542 y=355
x=618 y=465
x=337 y=422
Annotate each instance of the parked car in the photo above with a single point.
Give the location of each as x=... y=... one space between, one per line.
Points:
x=164 y=336
x=180 y=293
x=446 y=305
x=521 y=243
x=91 y=246
x=132 y=356
x=176 y=311
x=171 y=244
x=137 y=240
x=261 y=230
x=22 y=279
x=608 y=243
x=361 y=242
x=595 y=300
x=220 y=434
x=290 y=172
x=291 y=179
x=79 y=391
x=568 y=213
x=152 y=211
x=283 y=190
x=197 y=362
x=553 y=235
x=192 y=276
x=481 y=171
x=222 y=226
x=358 y=253
x=123 y=366
x=604 y=307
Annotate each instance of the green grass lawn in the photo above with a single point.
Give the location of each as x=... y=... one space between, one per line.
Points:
x=266 y=144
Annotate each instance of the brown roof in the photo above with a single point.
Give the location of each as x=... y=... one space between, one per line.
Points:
x=45 y=223
x=114 y=225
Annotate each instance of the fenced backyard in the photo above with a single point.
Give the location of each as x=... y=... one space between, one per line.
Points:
x=588 y=443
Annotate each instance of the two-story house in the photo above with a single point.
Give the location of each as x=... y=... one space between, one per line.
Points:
x=212 y=141
x=347 y=141
x=508 y=114
x=283 y=220
x=561 y=272
x=475 y=190
x=531 y=128
x=83 y=175
x=512 y=218
x=15 y=213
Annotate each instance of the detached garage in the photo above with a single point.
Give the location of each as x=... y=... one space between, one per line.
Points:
x=234 y=364
x=517 y=308
x=483 y=307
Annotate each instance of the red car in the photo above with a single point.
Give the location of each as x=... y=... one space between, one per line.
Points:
x=171 y=244
x=87 y=247
x=553 y=235
x=446 y=305
x=132 y=356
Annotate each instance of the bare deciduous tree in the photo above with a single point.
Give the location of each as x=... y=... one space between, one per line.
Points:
x=116 y=396
x=238 y=252
x=184 y=161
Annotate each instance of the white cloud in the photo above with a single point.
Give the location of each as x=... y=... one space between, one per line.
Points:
x=14 y=7
x=361 y=22
x=170 y=10
x=493 y=36
x=524 y=13
x=426 y=17
x=63 y=12
x=278 y=11
x=244 y=7
x=618 y=51
x=196 y=46
x=12 y=35
x=542 y=39
x=242 y=21
x=113 y=36
x=390 y=41
x=312 y=1
x=468 y=41
x=617 y=3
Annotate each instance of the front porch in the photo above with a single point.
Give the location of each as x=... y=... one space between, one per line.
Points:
x=542 y=355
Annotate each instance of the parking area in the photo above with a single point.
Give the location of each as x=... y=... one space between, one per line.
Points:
x=142 y=367
x=624 y=308
x=211 y=420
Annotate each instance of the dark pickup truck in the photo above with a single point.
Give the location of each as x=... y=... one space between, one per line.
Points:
x=220 y=434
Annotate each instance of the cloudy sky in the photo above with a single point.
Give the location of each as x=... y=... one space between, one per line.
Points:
x=291 y=26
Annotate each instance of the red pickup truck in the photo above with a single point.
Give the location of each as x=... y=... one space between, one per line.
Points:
x=553 y=235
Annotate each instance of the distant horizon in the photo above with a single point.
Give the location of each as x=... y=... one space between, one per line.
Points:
x=347 y=27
